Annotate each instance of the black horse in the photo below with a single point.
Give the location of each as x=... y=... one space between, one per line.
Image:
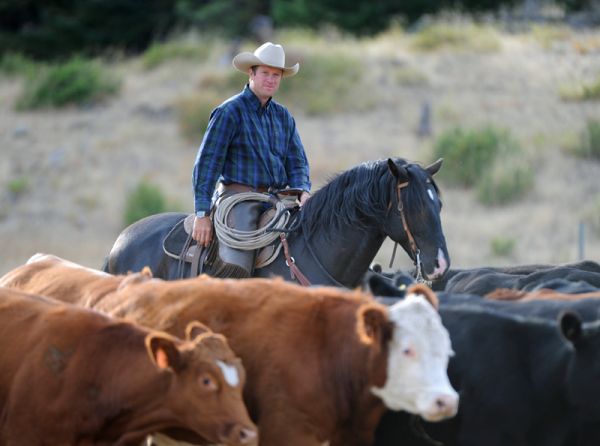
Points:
x=341 y=228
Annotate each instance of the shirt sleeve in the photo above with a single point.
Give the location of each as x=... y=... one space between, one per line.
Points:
x=296 y=163
x=211 y=157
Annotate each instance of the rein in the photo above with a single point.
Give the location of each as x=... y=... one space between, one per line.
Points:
x=291 y=262
x=415 y=251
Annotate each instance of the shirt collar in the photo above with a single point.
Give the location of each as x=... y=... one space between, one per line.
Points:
x=254 y=101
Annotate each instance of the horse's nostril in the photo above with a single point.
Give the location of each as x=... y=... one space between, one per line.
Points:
x=437 y=263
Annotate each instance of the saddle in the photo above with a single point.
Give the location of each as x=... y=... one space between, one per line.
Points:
x=179 y=245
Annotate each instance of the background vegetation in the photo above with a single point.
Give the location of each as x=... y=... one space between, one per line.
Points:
x=61 y=28
x=97 y=136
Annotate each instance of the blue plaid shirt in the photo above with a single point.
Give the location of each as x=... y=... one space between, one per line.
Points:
x=249 y=144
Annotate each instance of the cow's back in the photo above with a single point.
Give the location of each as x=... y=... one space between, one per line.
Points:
x=49 y=275
x=299 y=346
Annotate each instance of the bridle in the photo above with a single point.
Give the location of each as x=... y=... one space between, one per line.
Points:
x=414 y=249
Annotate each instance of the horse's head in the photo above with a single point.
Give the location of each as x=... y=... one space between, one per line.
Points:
x=413 y=217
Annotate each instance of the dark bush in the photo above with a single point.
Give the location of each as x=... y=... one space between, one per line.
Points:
x=147 y=199
x=77 y=81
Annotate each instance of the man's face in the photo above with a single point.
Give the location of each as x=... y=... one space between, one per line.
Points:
x=265 y=82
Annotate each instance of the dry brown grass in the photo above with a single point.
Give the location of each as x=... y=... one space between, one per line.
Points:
x=81 y=163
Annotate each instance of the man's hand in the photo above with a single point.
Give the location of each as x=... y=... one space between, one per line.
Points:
x=202 y=231
x=304 y=196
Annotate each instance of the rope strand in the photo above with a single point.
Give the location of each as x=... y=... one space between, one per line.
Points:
x=249 y=240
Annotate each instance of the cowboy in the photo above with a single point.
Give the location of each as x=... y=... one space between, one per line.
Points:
x=251 y=145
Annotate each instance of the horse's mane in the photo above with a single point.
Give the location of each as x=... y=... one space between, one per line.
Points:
x=357 y=196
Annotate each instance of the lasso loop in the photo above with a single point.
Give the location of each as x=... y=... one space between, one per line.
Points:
x=250 y=240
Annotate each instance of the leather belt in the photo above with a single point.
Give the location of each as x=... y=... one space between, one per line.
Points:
x=238 y=187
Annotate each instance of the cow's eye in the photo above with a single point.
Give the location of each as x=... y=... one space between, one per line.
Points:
x=408 y=352
x=208 y=382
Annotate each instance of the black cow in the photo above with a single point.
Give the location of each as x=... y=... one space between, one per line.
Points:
x=588 y=309
x=378 y=282
x=525 y=277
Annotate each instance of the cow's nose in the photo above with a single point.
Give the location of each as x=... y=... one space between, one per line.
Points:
x=240 y=435
x=248 y=436
x=447 y=405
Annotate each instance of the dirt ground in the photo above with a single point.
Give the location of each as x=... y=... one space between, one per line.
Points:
x=81 y=163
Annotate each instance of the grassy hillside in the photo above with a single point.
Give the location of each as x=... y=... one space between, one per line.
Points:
x=66 y=173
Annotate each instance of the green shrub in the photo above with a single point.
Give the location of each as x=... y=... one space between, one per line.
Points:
x=13 y=64
x=546 y=35
x=18 y=186
x=160 y=53
x=585 y=92
x=225 y=82
x=469 y=153
x=325 y=84
x=146 y=199
x=588 y=145
x=502 y=247
x=456 y=36
x=505 y=182
x=410 y=77
x=77 y=81
x=193 y=114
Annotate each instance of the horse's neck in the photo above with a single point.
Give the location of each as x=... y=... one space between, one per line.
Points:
x=346 y=255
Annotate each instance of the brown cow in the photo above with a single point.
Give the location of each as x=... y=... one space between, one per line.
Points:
x=539 y=294
x=322 y=363
x=74 y=376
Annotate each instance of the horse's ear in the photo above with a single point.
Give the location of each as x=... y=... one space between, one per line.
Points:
x=433 y=168
x=398 y=171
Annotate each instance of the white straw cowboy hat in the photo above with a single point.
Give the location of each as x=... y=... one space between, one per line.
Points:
x=268 y=54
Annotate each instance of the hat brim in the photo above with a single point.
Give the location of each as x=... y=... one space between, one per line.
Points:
x=246 y=60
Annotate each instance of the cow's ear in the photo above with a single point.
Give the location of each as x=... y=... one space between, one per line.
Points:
x=420 y=289
x=433 y=168
x=399 y=172
x=195 y=329
x=163 y=351
x=570 y=326
x=374 y=326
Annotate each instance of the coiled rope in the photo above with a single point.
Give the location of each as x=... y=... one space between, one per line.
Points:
x=249 y=240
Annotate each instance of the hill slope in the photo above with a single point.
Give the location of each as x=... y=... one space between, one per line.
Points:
x=81 y=163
